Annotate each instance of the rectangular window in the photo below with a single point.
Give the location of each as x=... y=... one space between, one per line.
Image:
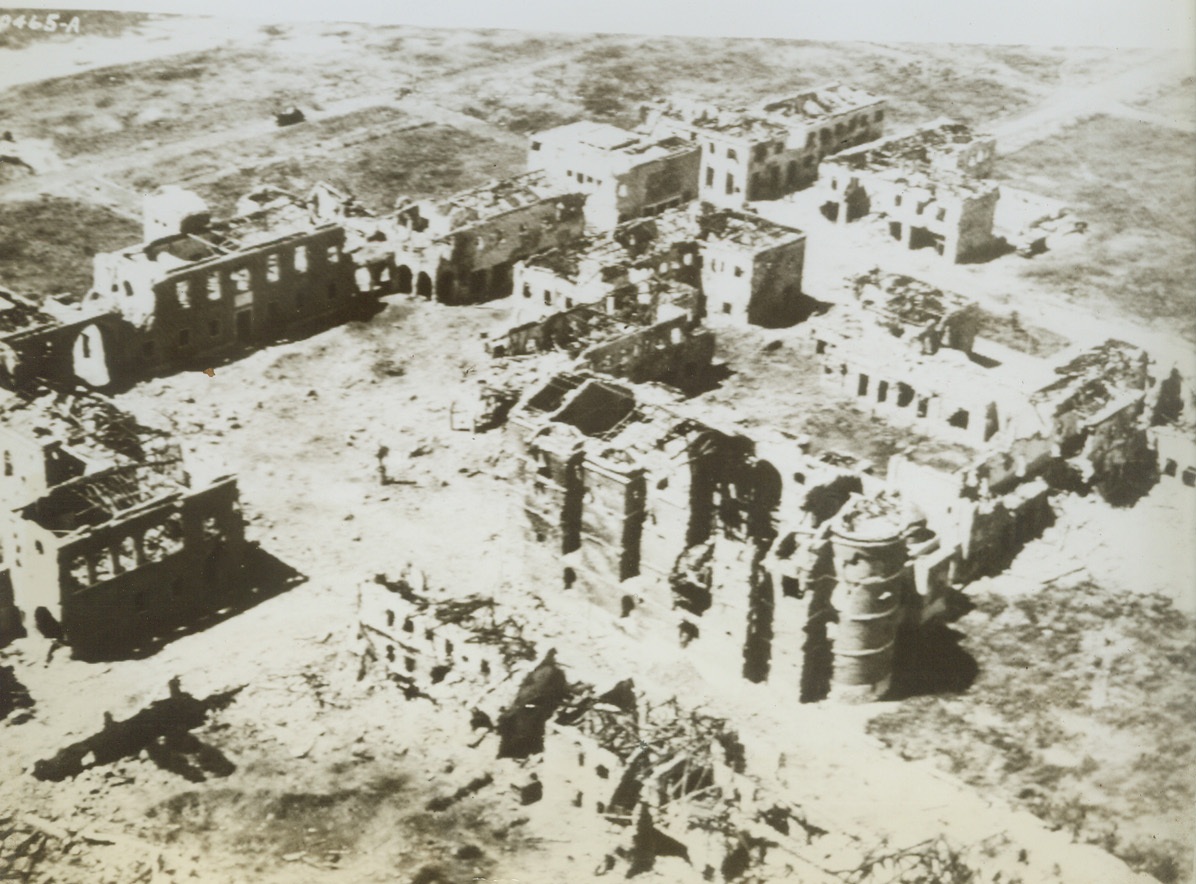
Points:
x=334 y=254
x=710 y=176
x=738 y=271
x=535 y=145
x=731 y=155
x=810 y=140
x=726 y=308
x=214 y=287
x=300 y=259
x=711 y=146
x=273 y=268
x=940 y=214
x=730 y=183
x=897 y=200
x=240 y=280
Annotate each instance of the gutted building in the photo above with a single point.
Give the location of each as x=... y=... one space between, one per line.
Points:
x=927 y=185
x=773 y=147
x=624 y=175
x=722 y=537
x=36 y=344
x=751 y=268
x=110 y=541
x=439 y=645
x=461 y=249
x=747 y=269
x=197 y=287
x=905 y=350
x=584 y=272
x=643 y=332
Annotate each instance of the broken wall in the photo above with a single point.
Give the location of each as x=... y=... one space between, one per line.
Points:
x=139 y=577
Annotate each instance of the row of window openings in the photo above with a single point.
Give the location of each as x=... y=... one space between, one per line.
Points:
x=761 y=150
x=583 y=179
x=215 y=327
x=721 y=266
x=939 y=215
x=240 y=280
x=154 y=545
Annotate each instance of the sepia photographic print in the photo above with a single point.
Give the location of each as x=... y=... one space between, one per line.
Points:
x=538 y=454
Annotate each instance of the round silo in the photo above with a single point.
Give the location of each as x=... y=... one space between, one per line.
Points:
x=870 y=559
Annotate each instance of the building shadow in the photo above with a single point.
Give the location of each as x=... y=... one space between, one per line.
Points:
x=362 y=310
x=13 y=694
x=707 y=379
x=162 y=730
x=262 y=577
x=997 y=247
x=930 y=660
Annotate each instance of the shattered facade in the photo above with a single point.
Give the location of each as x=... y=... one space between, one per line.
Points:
x=111 y=541
x=928 y=185
x=774 y=146
x=646 y=332
x=462 y=249
x=652 y=509
x=198 y=287
x=747 y=269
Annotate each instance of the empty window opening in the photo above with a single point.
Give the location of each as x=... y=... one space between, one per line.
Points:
x=959 y=419
x=923 y=407
x=862 y=387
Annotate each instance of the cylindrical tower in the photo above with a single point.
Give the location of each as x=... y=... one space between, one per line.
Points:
x=870 y=559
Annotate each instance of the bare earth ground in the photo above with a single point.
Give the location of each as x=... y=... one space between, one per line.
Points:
x=332 y=775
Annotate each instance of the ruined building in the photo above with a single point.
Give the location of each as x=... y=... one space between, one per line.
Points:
x=461 y=249
x=108 y=538
x=624 y=175
x=748 y=269
x=585 y=271
x=906 y=350
x=652 y=509
x=773 y=147
x=198 y=287
x=645 y=332
x=929 y=185
x=36 y=344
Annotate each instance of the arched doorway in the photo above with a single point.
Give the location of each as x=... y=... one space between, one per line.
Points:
x=423 y=285
x=403 y=280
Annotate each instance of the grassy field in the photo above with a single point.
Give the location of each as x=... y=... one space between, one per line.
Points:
x=609 y=78
x=1083 y=712
x=46 y=245
x=414 y=162
x=1133 y=183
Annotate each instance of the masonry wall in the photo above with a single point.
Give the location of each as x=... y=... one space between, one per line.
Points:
x=139 y=577
x=476 y=264
x=612 y=518
x=235 y=300
x=645 y=189
x=671 y=350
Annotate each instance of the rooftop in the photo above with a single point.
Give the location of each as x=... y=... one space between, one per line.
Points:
x=86 y=422
x=605 y=138
x=96 y=498
x=745 y=229
x=920 y=148
x=775 y=117
x=905 y=298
